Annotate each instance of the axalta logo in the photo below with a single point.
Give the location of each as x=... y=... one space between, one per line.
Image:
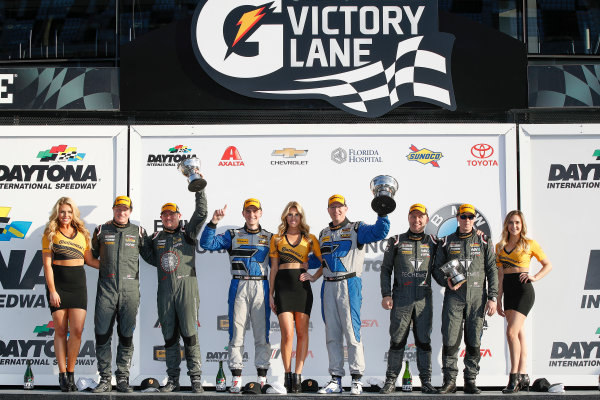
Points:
x=364 y=57
x=231 y=158
x=482 y=153
x=172 y=159
x=16 y=230
x=575 y=176
x=340 y=156
x=575 y=354
x=592 y=281
x=287 y=154
x=482 y=353
x=52 y=174
x=5 y=96
x=424 y=156
x=443 y=221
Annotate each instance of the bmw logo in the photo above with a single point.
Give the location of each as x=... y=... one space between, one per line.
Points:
x=443 y=222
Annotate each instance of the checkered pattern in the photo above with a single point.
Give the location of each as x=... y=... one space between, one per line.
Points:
x=564 y=86
x=420 y=72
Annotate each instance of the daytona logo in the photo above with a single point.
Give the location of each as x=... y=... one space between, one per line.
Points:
x=364 y=57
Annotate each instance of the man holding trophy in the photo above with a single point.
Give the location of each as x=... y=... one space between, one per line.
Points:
x=343 y=250
x=464 y=263
x=172 y=251
x=409 y=256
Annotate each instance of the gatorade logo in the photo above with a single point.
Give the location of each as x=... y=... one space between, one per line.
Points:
x=231 y=158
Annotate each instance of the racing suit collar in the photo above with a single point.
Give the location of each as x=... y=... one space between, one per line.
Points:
x=415 y=236
x=344 y=223
x=120 y=225
x=252 y=230
x=173 y=230
x=464 y=235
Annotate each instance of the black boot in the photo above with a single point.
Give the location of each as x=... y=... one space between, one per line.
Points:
x=389 y=386
x=196 y=382
x=449 y=386
x=524 y=382
x=288 y=382
x=71 y=381
x=123 y=385
x=297 y=383
x=514 y=383
x=172 y=385
x=427 y=387
x=103 y=386
x=62 y=382
x=470 y=387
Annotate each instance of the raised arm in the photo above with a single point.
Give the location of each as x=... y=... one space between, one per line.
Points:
x=373 y=233
x=198 y=217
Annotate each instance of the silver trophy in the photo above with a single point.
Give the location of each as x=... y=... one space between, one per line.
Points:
x=455 y=270
x=190 y=167
x=384 y=188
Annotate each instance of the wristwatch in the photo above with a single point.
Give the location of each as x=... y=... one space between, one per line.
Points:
x=493 y=298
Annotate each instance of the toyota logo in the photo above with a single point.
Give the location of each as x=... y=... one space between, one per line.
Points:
x=482 y=150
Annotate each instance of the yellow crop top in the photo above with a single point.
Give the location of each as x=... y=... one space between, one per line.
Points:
x=293 y=254
x=519 y=258
x=65 y=248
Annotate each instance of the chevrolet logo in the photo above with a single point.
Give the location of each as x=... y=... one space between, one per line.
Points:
x=289 y=152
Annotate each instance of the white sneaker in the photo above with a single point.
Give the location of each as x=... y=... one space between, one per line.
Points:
x=262 y=380
x=334 y=386
x=356 y=387
x=236 y=384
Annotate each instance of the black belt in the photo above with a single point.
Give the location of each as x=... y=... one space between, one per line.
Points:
x=250 y=277
x=340 y=277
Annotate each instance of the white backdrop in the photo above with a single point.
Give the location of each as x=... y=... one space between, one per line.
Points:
x=241 y=161
x=39 y=164
x=560 y=189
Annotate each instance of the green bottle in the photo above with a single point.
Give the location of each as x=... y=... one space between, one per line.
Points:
x=407 y=379
x=221 y=381
x=28 y=378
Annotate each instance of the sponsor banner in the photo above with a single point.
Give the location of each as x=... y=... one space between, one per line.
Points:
x=243 y=162
x=38 y=166
x=560 y=177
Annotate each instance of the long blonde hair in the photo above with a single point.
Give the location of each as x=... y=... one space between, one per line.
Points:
x=76 y=222
x=283 y=227
x=522 y=242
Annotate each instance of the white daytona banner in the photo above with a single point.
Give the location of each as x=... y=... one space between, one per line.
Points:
x=438 y=165
x=560 y=183
x=39 y=164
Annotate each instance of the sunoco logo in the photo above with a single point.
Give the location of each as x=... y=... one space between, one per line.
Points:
x=364 y=57
x=340 y=156
x=173 y=158
x=443 y=222
x=53 y=173
x=289 y=154
x=482 y=153
x=424 y=156
x=231 y=158
x=16 y=230
x=575 y=354
x=575 y=176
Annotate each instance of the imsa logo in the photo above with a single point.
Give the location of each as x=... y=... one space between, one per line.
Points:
x=363 y=56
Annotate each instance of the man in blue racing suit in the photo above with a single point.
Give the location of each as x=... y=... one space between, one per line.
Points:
x=342 y=248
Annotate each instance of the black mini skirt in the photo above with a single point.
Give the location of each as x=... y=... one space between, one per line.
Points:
x=291 y=294
x=70 y=284
x=517 y=296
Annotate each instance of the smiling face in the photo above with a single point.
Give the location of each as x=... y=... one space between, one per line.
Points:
x=417 y=221
x=252 y=216
x=515 y=225
x=65 y=215
x=293 y=218
x=121 y=214
x=170 y=219
x=465 y=222
x=337 y=211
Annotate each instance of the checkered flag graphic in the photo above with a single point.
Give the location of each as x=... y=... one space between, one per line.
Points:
x=419 y=72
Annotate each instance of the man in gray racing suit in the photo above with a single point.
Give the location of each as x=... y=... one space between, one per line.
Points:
x=248 y=249
x=117 y=243
x=173 y=252
x=410 y=257
x=467 y=301
x=343 y=252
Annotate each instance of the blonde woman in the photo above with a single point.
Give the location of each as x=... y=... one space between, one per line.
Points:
x=290 y=293
x=65 y=247
x=513 y=255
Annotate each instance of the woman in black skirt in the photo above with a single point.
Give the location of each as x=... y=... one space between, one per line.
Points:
x=513 y=255
x=65 y=247
x=291 y=295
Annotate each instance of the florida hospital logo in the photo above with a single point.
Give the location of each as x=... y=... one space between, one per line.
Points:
x=443 y=222
x=364 y=57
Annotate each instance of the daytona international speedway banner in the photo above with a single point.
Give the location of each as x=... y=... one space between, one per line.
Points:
x=38 y=165
x=560 y=193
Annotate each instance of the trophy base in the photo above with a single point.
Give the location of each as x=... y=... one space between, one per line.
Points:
x=197 y=185
x=457 y=279
x=383 y=205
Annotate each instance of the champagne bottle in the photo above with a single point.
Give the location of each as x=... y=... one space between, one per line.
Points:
x=221 y=381
x=407 y=379
x=28 y=378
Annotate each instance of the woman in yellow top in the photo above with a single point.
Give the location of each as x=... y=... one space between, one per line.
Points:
x=513 y=255
x=65 y=247
x=290 y=293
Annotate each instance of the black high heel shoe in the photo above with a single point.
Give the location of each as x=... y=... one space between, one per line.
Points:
x=524 y=382
x=514 y=384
